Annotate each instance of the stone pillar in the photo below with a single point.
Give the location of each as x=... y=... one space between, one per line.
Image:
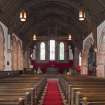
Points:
x=57 y=50
x=34 y=53
x=38 y=51
x=65 y=51
x=84 y=66
x=100 y=70
x=46 y=51
x=70 y=53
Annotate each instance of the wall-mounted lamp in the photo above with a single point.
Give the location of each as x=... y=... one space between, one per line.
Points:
x=95 y=49
x=23 y=16
x=69 y=38
x=34 y=37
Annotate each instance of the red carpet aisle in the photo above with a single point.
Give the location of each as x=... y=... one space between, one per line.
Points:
x=52 y=96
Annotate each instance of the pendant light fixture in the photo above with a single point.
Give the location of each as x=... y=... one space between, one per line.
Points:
x=82 y=14
x=23 y=16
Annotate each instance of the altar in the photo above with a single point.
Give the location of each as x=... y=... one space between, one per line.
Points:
x=52 y=70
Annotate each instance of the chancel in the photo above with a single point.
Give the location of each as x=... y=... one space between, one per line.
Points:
x=52 y=52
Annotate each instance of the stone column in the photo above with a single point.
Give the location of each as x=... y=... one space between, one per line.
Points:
x=57 y=50
x=84 y=67
x=100 y=70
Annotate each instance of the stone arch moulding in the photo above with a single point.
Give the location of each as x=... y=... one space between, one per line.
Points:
x=86 y=46
x=20 y=55
x=2 y=48
x=14 y=52
x=101 y=53
x=101 y=40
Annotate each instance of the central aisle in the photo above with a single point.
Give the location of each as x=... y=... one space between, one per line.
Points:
x=52 y=96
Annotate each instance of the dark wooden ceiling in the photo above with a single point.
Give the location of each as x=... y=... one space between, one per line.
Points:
x=51 y=17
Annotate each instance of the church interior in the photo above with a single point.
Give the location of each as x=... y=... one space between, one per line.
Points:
x=52 y=52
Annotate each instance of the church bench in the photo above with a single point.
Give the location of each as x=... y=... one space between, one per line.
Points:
x=11 y=90
x=91 y=99
x=14 y=89
x=91 y=96
x=11 y=103
x=81 y=83
x=20 y=84
x=64 y=83
x=76 y=91
x=77 y=87
x=10 y=100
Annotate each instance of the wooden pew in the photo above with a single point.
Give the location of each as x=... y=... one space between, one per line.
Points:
x=74 y=86
x=24 y=85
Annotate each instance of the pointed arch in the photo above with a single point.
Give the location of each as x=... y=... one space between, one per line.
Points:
x=1 y=48
x=42 y=51
x=14 y=53
x=52 y=49
x=20 y=55
x=61 y=51
x=101 y=52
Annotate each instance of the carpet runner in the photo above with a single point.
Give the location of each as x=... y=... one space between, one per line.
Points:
x=52 y=96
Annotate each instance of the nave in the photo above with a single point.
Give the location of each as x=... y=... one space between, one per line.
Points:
x=32 y=89
x=52 y=52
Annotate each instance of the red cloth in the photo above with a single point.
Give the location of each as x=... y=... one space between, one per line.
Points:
x=78 y=68
x=52 y=96
x=56 y=64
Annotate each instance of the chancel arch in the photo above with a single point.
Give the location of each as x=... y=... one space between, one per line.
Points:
x=1 y=49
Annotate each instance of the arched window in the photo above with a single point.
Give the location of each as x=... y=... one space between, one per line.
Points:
x=42 y=51
x=52 y=49
x=61 y=51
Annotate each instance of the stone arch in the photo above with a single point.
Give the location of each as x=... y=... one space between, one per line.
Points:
x=101 y=55
x=87 y=44
x=102 y=41
x=14 y=53
x=20 y=55
x=2 y=58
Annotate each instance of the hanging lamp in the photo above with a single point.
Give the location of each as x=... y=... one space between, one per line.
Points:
x=23 y=16
x=82 y=14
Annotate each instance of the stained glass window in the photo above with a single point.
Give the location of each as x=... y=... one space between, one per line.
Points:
x=52 y=49
x=42 y=51
x=61 y=51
